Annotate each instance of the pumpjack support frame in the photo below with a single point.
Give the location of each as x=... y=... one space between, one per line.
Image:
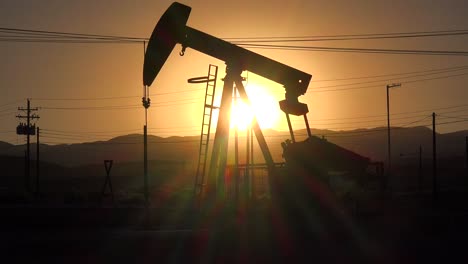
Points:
x=219 y=154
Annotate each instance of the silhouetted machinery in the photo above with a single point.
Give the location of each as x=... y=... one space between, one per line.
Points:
x=171 y=30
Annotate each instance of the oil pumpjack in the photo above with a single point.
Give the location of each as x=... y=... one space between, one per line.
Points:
x=171 y=29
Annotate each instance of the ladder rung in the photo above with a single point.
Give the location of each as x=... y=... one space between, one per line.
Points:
x=211 y=106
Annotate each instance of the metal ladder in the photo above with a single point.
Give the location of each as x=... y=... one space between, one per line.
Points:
x=205 y=131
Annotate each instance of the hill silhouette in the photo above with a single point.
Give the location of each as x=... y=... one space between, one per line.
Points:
x=370 y=143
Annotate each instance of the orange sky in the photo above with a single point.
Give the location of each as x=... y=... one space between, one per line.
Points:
x=71 y=71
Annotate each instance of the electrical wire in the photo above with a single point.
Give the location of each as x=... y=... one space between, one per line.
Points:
x=393 y=79
x=357 y=50
x=376 y=86
x=19 y=35
x=366 y=121
x=442 y=32
x=399 y=126
x=10 y=103
x=41 y=34
x=387 y=75
x=7 y=114
x=111 y=98
x=452 y=122
x=126 y=107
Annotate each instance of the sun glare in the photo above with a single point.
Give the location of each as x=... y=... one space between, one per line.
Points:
x=264 y=107
x=241 y=115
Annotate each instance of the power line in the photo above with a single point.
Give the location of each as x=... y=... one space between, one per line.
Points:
x=375 y=37
x=395 y=114
x=80 y=134
x=387 y=80
x=110 y=98
x=366 y=121
x=452 y=122
x=357 y=50
x=452 y=117
x=398 y=126
x=91 y=132
x=370 y=121
x=374 y=86
x=189 y=128
x=7 y=109
x=77 y=38
x=414 y=33
x=386 y=75
x=313 y=89
x=7 y=114
x=126 y=107
x=40 y=34
x=67 y=34
x=10 y=103
x=123 y=107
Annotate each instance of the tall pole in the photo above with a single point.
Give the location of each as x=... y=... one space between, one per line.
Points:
x=146 y=104
x=434 y=160
x=388 y=134
x=28 y=149
x=37 y=163
x=28 y=130
x=466 y=139
x=145 y=162
x=420 y=169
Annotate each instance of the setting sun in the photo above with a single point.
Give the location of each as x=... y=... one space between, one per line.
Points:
x=264 y=107
x=241 y=115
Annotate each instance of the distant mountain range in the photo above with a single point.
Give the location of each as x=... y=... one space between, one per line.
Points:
x=371 y=143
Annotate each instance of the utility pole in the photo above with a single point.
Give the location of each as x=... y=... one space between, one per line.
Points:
x=37 y=163
x=28 y=130
x=388 y=134
x=434 y=160
x=420 y=169
x=466 y=143
x=146 y=104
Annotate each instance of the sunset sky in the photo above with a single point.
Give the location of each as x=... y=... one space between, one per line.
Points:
x=68 y=81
